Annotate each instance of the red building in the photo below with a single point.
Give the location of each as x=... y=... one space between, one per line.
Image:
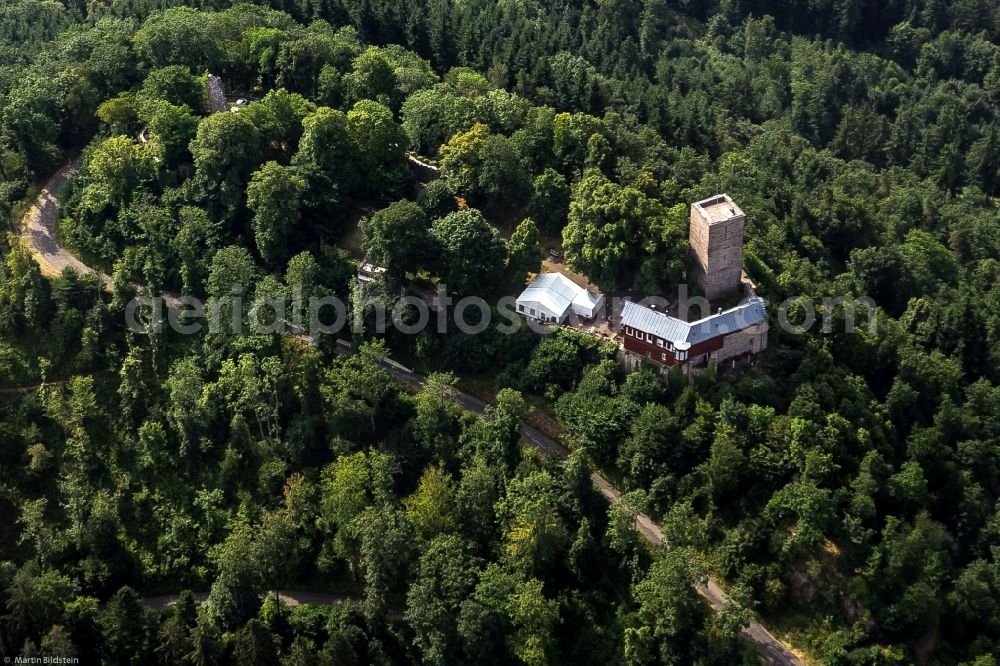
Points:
x=657 y=337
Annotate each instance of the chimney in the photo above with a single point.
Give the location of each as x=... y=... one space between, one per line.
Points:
x=719 y=312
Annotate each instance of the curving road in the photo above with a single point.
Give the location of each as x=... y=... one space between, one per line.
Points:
x=770 y=648
x=39 y=234
x=38 y=231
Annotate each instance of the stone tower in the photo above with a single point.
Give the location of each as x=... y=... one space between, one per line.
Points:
x=716 y=239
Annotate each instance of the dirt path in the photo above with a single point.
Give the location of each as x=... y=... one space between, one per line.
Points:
x=38 y=230
x=770 y=648
x=39 y=234
x=287 y=597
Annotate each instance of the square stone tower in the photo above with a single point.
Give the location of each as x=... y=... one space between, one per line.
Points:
x=716 y=239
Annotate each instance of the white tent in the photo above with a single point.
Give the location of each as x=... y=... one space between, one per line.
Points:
x=551 y=297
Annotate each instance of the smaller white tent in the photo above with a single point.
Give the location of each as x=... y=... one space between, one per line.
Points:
x=552 y=296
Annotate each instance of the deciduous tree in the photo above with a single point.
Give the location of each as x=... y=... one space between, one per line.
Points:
x=274 y=195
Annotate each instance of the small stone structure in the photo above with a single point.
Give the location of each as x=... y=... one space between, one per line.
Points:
x=716 y=240
x=422 y=171
x=216 y=95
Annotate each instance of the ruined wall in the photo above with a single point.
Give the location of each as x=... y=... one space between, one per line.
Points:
x=630 y=362
x=216 y=96
x=423 y=172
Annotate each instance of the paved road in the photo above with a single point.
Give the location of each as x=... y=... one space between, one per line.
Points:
x=40 y=236
x=773 y=650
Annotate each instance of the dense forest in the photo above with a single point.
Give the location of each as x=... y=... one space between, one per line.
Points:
x=843 y=490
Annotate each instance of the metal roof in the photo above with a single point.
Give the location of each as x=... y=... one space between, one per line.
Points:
x=587 y=299
x=749 y=313
x=659 y=324
x=556 y=293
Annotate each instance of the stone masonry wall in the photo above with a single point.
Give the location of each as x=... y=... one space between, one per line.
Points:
x=717 y=254
x=753 y=340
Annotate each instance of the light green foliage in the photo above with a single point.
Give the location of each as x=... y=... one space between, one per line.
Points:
x=274 y=195
x=196 y=241
x=524 y=251
x=278 y=117
x=593 y=415
x=445 y=575
x=172 y=128
x=179 y=35
x=380 y=143
x=120 y=115
x=344 y=488
x=232 y=271
x=397 y=238
x=471 y=251
x=431 y=507
x=385 y=543
x=604 y=221
x=175 y=84
x=483 y=166
x=301 y=60
x=668 y=607
x=372 y=78
x=927 y=261
x=534 y=532
x=845 y=483
x=119 y=167
x=259 y=49
x=534 y=618
x=328 y=148
x=431 y=117
x=654 y=438
x=225 y=145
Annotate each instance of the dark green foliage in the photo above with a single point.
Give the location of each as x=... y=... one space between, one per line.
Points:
x=846 y=484
x=524 y=251
x=550 y=200
x=437 y=199
x=397 y=238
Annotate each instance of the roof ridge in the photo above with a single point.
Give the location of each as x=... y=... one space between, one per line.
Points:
x=750 y=301
x=672 y=328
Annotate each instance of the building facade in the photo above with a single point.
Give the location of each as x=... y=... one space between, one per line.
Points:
x=551 y=297
x=716 y=245
x=732 y=335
